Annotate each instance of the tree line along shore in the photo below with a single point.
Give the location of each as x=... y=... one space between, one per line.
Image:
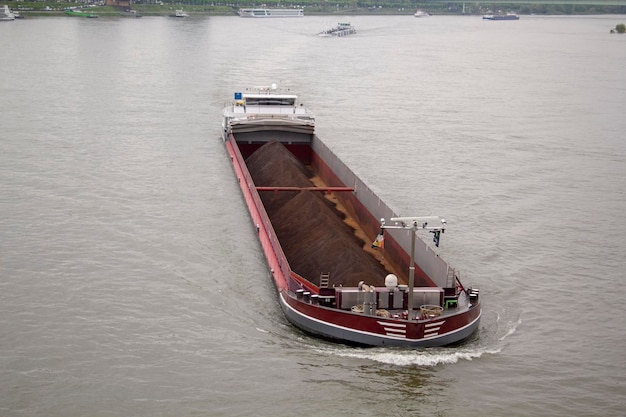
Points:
x=338 y=7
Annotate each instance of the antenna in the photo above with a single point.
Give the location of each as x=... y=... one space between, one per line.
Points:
x=437 y=226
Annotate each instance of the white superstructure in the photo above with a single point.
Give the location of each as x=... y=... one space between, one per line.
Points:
x=264 y=108
x=7 y=14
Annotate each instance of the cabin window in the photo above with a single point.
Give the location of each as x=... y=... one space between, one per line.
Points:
x=269 y=101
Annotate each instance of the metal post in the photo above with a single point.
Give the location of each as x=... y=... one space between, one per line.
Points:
x=413 y=224
x=411 y=273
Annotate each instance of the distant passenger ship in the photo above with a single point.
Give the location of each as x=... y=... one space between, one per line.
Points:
x=271 y=12
x=508 y=16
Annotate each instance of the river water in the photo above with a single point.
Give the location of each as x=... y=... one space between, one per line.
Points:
x=131 y=281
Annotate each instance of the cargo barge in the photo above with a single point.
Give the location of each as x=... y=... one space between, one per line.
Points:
x=346 y=267
x=341 y=30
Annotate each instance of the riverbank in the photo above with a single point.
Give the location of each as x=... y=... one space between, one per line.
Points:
x=433 y=9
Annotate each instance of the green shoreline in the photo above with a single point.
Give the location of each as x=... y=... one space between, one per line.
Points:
x=435 y=9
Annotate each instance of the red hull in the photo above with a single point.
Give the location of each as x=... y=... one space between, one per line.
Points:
x=433 y=310
x=371 y=330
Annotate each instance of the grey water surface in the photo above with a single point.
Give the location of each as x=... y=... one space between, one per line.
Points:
x=131 y=281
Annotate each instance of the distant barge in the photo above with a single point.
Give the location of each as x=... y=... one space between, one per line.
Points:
x=342 y=29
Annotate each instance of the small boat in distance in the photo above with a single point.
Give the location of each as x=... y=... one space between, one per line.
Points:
x=261 y=13
x=180 y=13
x=6 y=14
x=131 y=13
x=80 y=13
x=508 y=16
x=342 y=29
x=314 y=218
x=421 y=13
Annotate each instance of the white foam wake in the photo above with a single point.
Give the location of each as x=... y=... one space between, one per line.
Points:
x=427 y=357
x=512 y=329
x=489 y=342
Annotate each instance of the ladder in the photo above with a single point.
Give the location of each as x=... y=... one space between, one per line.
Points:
x=324 y=279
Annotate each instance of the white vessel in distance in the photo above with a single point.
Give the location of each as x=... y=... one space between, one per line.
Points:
x=342 y=29
x=6 y=14
x=261 y=13
x=180 y=13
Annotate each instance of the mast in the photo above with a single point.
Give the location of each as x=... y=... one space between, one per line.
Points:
x=414 y=224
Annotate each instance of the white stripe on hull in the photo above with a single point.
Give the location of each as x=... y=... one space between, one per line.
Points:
x=432 y=329
x=394 y=329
